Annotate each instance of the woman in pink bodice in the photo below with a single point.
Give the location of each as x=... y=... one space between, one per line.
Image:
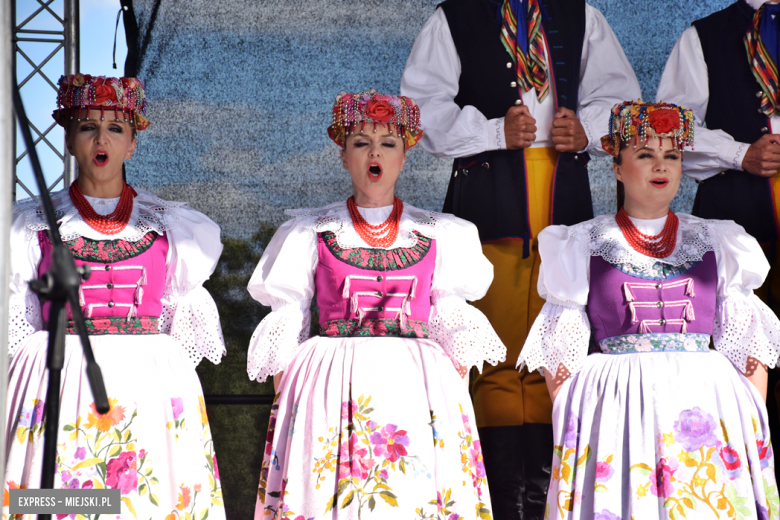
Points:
x=149 y=317
x=372 y=416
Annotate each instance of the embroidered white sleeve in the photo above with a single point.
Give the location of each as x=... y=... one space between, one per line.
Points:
x=193 y=321
x=465 y=333
x=745 y=326
x=24 y=318
x=276 y=341
x=189 y=313
x=559 y=335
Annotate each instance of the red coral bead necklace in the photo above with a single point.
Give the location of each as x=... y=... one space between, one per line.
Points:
x=112 y=223
x=656 y=246
x=379 y=235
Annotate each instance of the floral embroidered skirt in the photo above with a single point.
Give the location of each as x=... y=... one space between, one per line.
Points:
x=154 y=444
x=372 y=428
x=661 y=435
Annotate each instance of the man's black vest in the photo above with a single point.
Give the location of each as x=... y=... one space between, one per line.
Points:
x=490 y=189
x=734 y=107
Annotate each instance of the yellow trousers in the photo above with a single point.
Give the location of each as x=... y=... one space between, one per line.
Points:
x=502 y=395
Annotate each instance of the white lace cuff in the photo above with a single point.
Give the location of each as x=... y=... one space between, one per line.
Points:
x=193 y=321
x=465 y=334
x=24 y=318
x=276 y=340
x=559 y=335
x=745 y=326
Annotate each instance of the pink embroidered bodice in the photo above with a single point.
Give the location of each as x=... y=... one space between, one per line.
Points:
x=123 y=294
x=374 y=292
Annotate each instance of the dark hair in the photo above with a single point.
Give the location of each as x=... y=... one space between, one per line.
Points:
x=618 y=159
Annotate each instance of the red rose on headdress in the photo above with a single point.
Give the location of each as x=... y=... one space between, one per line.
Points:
x=379 y=111
x=104 y=92
x=663 y=120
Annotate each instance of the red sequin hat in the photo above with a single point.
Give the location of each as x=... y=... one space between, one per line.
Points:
x=78 y=93
x=371 y=107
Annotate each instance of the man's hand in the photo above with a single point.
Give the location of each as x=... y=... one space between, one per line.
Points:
x=519 y=128
x=568 y=135
x=763 y=156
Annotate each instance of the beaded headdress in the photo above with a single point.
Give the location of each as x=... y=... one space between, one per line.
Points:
x=78 y=93
x=353 y=112
x=641 y=121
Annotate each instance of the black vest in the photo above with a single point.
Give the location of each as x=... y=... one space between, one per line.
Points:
x=734 y=107
x=490 y=189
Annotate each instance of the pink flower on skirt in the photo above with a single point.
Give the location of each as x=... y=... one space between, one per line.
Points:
x=347 y=408
x=177 y=403
x=121 y=472
x=476 y=462
x=390 y=442
x=661 y=478
x=604 y=471
x=353 y=463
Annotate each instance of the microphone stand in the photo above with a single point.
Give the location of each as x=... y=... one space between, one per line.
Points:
x=59 y=285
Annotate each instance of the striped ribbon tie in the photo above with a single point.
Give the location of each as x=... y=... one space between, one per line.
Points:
x=528 y=53
x=763 y=66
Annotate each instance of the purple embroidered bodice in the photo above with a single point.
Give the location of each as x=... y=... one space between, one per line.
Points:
x=374 y=292
x=665 y=306
x=123 y=294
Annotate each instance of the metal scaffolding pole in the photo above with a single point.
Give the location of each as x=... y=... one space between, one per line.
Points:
x=29 y=38
x=7 y=153
x=72 y=66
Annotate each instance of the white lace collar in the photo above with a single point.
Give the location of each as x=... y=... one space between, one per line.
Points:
x=150 y=213
x=335 y=217
x=602 y=237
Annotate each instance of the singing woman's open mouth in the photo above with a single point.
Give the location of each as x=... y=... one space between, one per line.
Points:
x=101 y=158
x=374 y=171
x=659 y=182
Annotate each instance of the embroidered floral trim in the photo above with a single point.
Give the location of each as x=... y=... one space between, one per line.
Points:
x=379 y=259
x=655 y=342
x=105 y=251
x=657 y=271
x=118 y=325
x=374 y=327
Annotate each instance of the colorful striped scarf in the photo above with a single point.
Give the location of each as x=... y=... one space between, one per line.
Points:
x=762 y=62
x=525 y=44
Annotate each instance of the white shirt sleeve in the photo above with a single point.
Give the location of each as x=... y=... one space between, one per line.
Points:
x=606 y=78
x=283 y=280
x=431 y=78
x=685 y=82
x=189 y=314
x=561 y=332
x=24 y=310
x=744 y=326
x=462 y=273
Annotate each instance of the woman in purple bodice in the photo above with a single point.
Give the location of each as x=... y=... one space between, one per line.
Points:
x=372 y=417
x=654 y=347
x=149 y=318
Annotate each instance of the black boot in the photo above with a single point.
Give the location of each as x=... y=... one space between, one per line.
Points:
x=538 y=454
x=502 y=449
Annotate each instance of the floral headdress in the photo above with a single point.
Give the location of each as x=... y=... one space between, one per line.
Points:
x=78 y=93
x=641 y=121
x=371 y=107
